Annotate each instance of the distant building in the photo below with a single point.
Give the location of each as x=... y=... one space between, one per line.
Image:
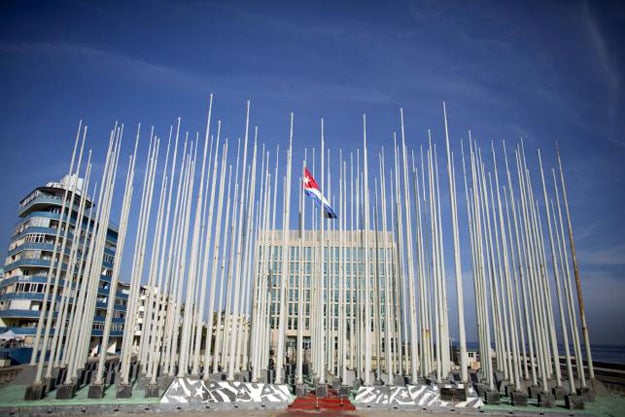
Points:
x=383 y=277
x=28 y=262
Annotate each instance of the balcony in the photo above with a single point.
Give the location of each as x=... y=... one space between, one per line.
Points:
x=41 y=200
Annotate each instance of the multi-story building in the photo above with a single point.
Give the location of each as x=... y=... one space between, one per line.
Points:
x=343 y=268
x=28 y=262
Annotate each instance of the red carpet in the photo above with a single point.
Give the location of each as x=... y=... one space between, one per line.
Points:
x=331 y=402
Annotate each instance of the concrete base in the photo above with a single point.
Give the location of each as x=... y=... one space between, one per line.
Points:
x=453 y=393
x=518 y=398
x=460 y=393
x=399 y=381
x=336 y=382
x=533 y=391
x=123 y=391
x=65 y=391
x=35 y=392
x=446 y=393
x=321 y=390
x=573 y=402
x=350 y=376
x=492 y=397
x=558 y=393
x=546 y=400
x=152 y=391
x=343 y=391
x=96 y=391
x=301 y=390
x=586 y=394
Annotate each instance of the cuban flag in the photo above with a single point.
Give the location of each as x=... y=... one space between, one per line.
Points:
x=311 y=188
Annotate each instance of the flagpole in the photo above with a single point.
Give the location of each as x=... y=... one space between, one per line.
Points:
x=222 y=311
x=250 y=239
x=300 y=300
x=513 y=362
x=322 y=271
x=215 y=259
x=252 y=344
x=148 y=361
x=521 y=275
x=567 y=285
x=578 y=283
x=285 y=262
x=367 y=304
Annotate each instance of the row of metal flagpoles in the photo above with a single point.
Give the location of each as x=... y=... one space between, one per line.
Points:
x=206 y=240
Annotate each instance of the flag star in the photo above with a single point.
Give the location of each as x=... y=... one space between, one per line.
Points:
x=198 y=392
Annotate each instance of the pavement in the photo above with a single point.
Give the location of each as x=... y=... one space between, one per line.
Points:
x=12 y=404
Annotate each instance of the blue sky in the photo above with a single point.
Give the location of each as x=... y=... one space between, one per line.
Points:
x=543 y=71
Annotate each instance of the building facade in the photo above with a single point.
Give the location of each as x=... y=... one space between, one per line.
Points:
x=27 y=268
x=333 y=290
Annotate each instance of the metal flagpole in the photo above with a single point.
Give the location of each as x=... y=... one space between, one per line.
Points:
x=321 y=278
x=513 y=362
x=163 y=306
x=567 y=279
x=285 y=259
x=367 y=289
x=214 y=254
x=70 y=275
x=121 y=240
x=231 y=251
x=55 y=265
x=300 y=300
x=388 y=338
x=399 y=227
x=185 y=339
x=521 y=276
x=151 y=342
x=556 y=276
x=247 y=240
x=44 y=304
x=180 y=266
x=234 y=332
x=221 y=314
x=457 y=264
x=578 y=284
x=412 y=314
x=138 y=260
